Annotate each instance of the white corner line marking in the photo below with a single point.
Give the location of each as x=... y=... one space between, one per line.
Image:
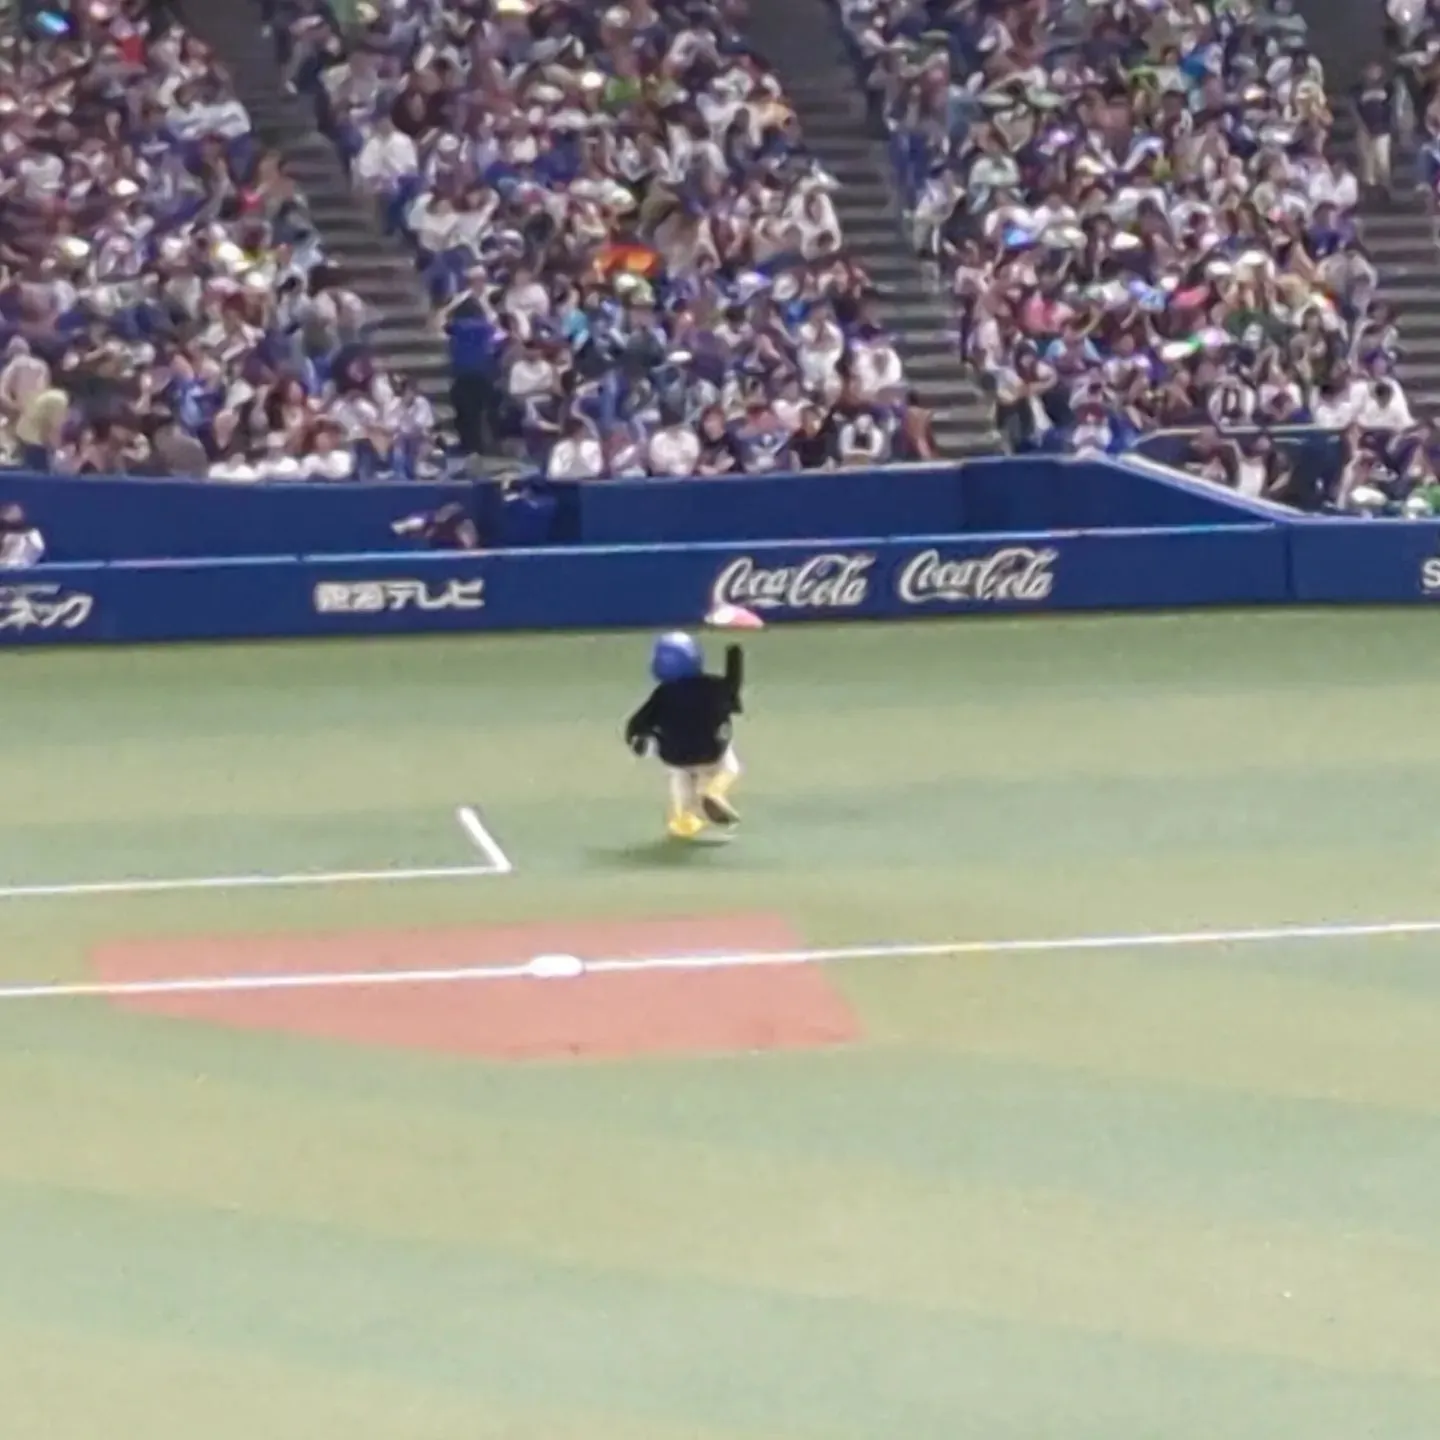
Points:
x=245 y=882
x=483 y=840
x=455 y=975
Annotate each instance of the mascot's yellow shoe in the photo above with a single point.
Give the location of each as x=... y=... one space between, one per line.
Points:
x=685 y=826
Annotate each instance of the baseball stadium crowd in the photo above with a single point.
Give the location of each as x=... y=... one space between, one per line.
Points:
x=640 y=265
x=1134 y=208
x=165 y=306
x=1384 y=460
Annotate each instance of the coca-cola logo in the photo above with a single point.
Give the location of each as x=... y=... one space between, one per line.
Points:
x=1014 y=574
x=823 y=582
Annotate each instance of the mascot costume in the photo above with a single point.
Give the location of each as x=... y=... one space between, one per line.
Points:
x=687 y=722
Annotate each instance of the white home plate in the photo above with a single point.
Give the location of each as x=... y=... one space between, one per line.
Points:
x=556 y=967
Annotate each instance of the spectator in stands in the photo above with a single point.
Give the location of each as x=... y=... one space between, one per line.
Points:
x=22 y=546
x=448 y=528
x=1373 y=100
x=620 y=227
x=577 y=454
x=915 y=439
x=1384 y=408
x=40 y=427
x=861 y=441
x=23 y=377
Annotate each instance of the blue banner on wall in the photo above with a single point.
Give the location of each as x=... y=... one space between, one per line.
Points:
x=1360 y=562
x=644 y=586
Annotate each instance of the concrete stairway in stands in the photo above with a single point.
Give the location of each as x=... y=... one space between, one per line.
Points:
x=1398 y=233
x=376 y=265
x=1400 y=238
x=801 y=39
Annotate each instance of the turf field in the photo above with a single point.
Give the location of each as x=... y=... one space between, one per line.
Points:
x=258 y=1180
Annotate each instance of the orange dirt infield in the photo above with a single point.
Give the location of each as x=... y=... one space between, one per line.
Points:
x=511 y=1018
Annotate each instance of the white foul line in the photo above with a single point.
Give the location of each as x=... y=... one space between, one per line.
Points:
x=454 y=975
x=497 y=863
x=483 y=840
x=245 y=882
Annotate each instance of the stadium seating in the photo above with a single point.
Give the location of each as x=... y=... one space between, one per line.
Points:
x=639 y=263
x=1136 y=211
x=166 y=306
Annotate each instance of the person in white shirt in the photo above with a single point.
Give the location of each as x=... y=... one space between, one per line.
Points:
x=877 y=368
x=862 y=441
x=935 y=206
x=431 y=219
x=233 y=468
x=328 y=459
x=525 y=301
x=1331 y=410
x=790 y=404
x=819 y=346
x=674 y=450
x=21 y=544
x=1334 y=184
x=531 y=374
x=192 y=115
x=41 y=172
x=815 y=219
x=23 y=378
x=1092 y=434
x=227 y=118
x=1385 y=408
x=577 y=455
x=1358 y=392
x=1338 y=405
x=386 y=158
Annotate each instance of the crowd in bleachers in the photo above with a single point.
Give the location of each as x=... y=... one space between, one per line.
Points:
x=640 y=265
x=165 y=305
x=1134 y=207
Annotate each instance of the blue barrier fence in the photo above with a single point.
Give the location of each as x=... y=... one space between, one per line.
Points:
x=126 y=519
x=1078 y=558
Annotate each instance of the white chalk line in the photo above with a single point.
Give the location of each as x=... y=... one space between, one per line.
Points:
x=246 y=882
x=497 y=862
x=483 y=840
x=754 y=959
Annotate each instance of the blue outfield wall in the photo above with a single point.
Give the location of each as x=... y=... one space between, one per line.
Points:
x=93 y=519
x=983 y=497
x=1010 y=536
x=643 y=586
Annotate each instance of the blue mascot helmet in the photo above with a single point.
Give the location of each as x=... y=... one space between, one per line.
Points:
x=676 y=656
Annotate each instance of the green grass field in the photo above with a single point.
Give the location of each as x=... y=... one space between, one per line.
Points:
x=1114 y=1192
